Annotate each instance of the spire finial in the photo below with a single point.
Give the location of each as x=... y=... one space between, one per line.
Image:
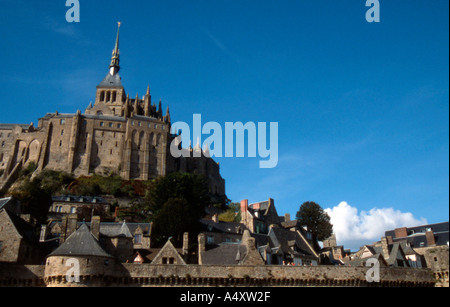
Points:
x=115 y=59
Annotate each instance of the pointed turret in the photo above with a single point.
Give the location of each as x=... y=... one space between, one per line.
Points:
x=167 y=117
x=114 y=67
x=160 y=110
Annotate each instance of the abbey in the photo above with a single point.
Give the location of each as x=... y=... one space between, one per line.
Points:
x=118 y=134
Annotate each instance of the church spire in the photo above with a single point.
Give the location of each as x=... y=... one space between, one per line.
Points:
x=115 y=59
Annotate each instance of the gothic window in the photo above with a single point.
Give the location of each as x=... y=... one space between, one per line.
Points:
x=114 y=96
x=102 y=96
x=108 y=96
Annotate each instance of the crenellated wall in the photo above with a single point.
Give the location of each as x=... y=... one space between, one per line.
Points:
x=138 y=275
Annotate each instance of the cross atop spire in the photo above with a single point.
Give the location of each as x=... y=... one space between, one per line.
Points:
x=115 y=59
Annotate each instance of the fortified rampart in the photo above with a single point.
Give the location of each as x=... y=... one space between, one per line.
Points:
x=142 y=275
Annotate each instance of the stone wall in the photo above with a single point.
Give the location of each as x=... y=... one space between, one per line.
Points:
x=138 y=275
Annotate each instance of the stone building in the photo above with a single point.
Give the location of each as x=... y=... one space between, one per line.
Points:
x=121 y=240
x=69 y=204
x=431 y=245
x=18 y=243
x=276 y=239
x=118 y=134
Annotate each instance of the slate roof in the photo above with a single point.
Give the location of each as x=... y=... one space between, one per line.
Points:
x=290 y=242
x=417 y=237
x=11 y=126
x=111 y=81
x=79 y=199
x=24 y=229
x=225 y=254
x=117 y=229
x=81 y=243
x=224 y=227
x=4 y=201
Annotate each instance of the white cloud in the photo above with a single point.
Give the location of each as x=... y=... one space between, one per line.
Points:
x=354 y=229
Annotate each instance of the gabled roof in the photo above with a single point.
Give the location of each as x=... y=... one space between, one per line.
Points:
x=291 y=242
x=169 y=249
x=24 y=230
x=81 y=243
x=4 y=201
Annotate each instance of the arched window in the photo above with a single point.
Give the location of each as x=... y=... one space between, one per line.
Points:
x=114 y=95
x=102 y=96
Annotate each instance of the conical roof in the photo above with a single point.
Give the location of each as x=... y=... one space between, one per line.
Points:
x=81 y=243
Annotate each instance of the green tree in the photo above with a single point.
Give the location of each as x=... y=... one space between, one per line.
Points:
x=177 y=202
x=315 y=219
x=232 y=214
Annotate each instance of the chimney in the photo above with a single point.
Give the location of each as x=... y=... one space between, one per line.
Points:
x=287 y=217
x=71 y=224
x=401 y=232
x=385 y=247
x=244 y=205
x=185 y=243
x=390 y=240
x=95 y=227
x=244 y=209
x=431 y=241
x=43 y=233
x=201 y=247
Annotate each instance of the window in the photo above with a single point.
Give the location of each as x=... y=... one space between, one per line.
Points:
x=102 y=124
x=62 y=121
x=73 y=210
x=110 y=125
x=137 y=239
x=62 y=131
x=164 y=260
x=210 y=240
x=1 y=246
x=119 y=126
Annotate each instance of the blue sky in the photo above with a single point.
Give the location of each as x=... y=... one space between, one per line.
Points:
x=362 y=108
